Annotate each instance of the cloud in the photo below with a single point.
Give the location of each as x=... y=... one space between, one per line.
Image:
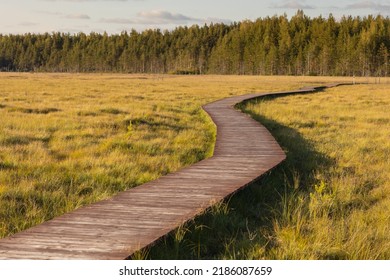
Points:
x=77 y=16
x=372 y=5
x=161 y=17
x=295 y=5
x=27 y=23
x=158 y=17
x=49 y=13
x=154 y=17
x=117 y=20
x=67 y=16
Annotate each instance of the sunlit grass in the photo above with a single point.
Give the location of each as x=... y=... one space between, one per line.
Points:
x=69 y=140
x=328 y=200
x=340 y=204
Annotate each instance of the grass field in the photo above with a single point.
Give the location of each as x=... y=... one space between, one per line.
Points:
x=336 y=202
x=329 y=200
x=69 y=140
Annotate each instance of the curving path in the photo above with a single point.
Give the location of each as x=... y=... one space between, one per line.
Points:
x=118 y=227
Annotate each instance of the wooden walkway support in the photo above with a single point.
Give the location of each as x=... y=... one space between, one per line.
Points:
x=118 y=227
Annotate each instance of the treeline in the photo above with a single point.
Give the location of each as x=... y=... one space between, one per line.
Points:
x=267 y=46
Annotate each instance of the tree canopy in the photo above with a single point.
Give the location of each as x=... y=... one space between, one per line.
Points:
x=268 y=46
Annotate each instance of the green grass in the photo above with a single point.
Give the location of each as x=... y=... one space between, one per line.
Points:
x=328 y=200
x=70 y=140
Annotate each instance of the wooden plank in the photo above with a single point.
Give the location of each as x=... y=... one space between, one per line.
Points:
x=117 y=227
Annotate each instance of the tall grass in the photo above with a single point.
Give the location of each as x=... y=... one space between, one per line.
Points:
x=69 y=140
x=328 y=200
x=339 y=210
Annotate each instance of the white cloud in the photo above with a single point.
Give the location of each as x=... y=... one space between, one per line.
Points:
x=28 y=23
x=77 y=16
x=67 y=16
x=372 y=5
x=163 y=17
x=296 y=5
x=158 y=17
x=48 y=13
x=117 y=20
x=154 y=17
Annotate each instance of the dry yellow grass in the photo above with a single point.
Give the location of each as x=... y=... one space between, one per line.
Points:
x=338 y=144
x=67 y=140
x=328 y=200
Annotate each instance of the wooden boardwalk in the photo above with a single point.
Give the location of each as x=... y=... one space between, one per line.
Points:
x=118 y=227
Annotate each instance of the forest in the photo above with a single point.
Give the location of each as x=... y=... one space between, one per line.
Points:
x=276 y=45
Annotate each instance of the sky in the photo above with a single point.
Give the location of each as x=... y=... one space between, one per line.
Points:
x=115 y=16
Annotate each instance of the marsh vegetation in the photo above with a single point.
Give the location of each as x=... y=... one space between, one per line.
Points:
x=70 y=140
x=329 y=200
